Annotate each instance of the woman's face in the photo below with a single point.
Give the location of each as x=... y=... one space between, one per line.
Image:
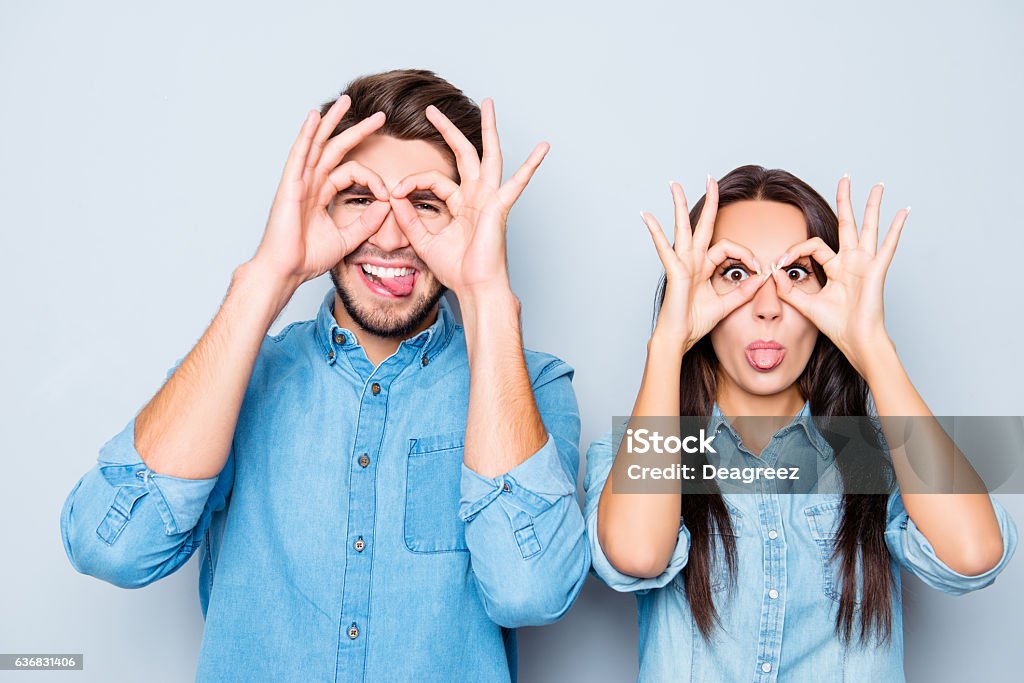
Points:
x=766 y=228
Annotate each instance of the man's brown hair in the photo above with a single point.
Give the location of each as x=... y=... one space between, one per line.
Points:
x=403 y=95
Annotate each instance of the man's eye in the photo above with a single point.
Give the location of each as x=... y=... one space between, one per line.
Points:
x=355 y=201
x=424 y=206
x=735 y=274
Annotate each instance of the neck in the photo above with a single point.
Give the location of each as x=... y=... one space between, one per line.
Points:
x=377 y=347
x=779 y=410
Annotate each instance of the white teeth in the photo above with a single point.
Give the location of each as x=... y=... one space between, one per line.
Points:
x=386 y=272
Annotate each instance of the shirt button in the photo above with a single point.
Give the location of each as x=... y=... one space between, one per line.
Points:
x=773 y=534
x=773 y=594
x=375 y=388
x=339 y=338
x=353 y=631
x=360 y=544
x=330 y=354
x=766 y=667
x=364 y=460
x=425 y=361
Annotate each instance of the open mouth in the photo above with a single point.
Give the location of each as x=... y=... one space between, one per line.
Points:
x=765 y=355
x=388 y=281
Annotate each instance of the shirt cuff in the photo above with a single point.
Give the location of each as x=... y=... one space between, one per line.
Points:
x=532 y=486
x=179 y=501
x=913 y=551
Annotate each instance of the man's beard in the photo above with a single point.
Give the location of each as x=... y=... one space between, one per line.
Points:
x=382 y=322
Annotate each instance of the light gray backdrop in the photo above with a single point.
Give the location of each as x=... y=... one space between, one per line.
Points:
x=142 y=144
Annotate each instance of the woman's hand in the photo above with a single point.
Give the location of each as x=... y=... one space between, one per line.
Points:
x=301 y=240
x=692 y=305
x=849 y=308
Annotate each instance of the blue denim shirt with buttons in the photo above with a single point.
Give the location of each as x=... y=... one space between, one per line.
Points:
x=345 y=539
x=778 y=620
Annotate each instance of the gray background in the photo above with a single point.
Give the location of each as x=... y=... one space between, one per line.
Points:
x=142 y=145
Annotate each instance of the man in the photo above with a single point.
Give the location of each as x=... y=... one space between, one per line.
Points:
x=379 y=494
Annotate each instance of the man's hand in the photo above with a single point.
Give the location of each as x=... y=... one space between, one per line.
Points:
x=468 y=254
x=301 y=240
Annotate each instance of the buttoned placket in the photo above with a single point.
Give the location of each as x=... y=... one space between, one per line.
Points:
x=773 y=605
x=411 y=354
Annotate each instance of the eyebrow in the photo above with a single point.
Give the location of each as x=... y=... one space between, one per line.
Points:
x=356 y=191
x=423 y=196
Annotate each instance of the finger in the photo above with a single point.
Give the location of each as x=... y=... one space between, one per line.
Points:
x=441 y=185
x=738 y=296
x=466 y=158
x=814 y=247
x=892 y=237
x=369 y=222
x=789 y=293
x=684 y=234
x=514 y=186
x=408 y=219
x=348 y=174
x=342 y=143
x=723 y=249
x=844 y=209
x=324 y=130
x=490 y=165
x=706 y=223
x=661 y=244
x=869 y=228
x=300 y=148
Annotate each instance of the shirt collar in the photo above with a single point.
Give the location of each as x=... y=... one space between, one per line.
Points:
x=802 y=422
x=430 y=341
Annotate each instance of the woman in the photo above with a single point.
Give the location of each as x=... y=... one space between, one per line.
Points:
x=767 y=585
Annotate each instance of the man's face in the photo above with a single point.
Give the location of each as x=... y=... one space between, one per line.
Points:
x=383 y=284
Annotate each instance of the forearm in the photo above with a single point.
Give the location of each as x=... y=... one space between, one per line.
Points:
x=638 y=531
x=503 y=424
x=962 y=528
x=187 y=428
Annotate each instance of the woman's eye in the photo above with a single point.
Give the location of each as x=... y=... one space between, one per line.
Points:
x=735 y=274
x=801 y=273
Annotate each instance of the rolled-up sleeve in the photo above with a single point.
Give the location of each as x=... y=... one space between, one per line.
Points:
x=128 y=525
x=913 y=552
x=524 y=529
x=600 y=457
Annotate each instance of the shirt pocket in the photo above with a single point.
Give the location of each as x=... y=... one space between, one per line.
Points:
x=823 y=520
x=719 y=569
x=432 y=493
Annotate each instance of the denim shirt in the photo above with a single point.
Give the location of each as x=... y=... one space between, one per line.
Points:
x=777 y=622
x=345 y=539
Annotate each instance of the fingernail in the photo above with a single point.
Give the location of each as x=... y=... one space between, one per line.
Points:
x=707 y=183
x=397 y=188
x=908 y=210
x=881 y=183
x=783 y=260
x=757 y=266
x=846 y=175
x=642 y=218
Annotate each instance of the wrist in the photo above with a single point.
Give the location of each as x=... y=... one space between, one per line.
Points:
x=877 y=359
x=668 y=343
x=255 y=283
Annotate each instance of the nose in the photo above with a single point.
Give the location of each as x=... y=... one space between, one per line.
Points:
x=766 y=304
x=389 y=237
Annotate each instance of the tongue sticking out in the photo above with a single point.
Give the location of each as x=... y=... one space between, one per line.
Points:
x=765 y=358
x=399 y=285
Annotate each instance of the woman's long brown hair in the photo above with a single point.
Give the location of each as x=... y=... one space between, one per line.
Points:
x=833 y=388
